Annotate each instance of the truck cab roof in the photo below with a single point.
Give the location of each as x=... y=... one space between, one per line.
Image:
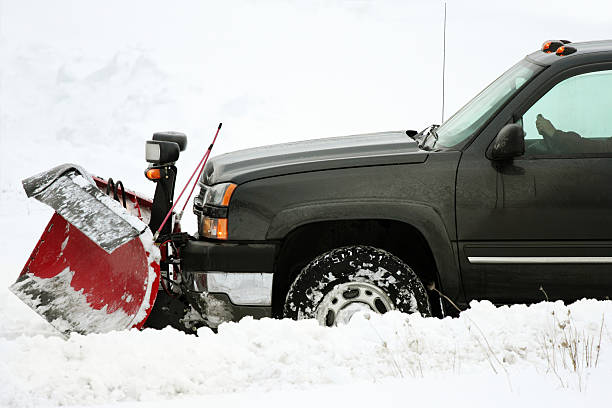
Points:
x=582 y=49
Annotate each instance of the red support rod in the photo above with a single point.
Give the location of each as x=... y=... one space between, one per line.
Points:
x=196 y=182
x=202 y=164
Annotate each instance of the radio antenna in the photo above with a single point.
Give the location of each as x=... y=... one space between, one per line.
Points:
x=443 y=62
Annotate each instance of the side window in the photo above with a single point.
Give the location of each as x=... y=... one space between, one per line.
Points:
x=574 y=117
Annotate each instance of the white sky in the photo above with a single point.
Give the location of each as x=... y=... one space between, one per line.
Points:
x=82 y=80
x=319 y=67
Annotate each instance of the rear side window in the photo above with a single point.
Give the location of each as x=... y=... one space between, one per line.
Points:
x=575 y=116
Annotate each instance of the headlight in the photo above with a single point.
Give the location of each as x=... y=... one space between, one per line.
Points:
x=211 y=208
x=219 y=194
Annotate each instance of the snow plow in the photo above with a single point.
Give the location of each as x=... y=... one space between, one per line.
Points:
x=97 y=267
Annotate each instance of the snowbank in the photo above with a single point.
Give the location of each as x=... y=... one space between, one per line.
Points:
x=507 y=345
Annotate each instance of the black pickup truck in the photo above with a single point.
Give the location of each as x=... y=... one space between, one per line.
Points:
x=509 y=200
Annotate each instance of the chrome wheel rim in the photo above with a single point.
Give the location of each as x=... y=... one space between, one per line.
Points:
x=346 y=299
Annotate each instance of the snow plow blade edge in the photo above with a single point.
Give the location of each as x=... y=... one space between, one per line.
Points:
x=71 y=192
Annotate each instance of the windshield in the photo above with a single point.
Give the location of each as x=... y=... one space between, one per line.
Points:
x=472 y=116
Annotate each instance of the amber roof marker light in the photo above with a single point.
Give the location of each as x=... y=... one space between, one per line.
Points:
x=565 y=50
x=551 y=46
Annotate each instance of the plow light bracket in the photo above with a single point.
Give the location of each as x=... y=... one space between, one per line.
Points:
x=161 y=152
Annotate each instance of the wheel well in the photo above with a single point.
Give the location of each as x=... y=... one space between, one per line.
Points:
x=306 y=242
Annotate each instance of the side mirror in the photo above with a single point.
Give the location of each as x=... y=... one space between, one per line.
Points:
x=509 y=143
x=161 y=152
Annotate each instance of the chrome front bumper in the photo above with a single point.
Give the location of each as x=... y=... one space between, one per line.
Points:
x=243 y=289
x=227 y=281
x=225 y=296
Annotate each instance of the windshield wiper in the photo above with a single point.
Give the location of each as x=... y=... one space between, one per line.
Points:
x=434 y=132
x=426 y=134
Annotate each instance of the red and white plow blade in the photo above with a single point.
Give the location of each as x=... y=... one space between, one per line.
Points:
x=74 y=282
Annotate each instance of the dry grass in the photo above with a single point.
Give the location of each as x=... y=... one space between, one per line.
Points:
x=566 y=349
x=570 y=349
x=565 y=346
x=483 y=342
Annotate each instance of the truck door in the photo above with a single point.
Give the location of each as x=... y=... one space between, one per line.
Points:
x=541 y=225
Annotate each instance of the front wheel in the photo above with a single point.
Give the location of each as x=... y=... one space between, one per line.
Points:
x=336 y=285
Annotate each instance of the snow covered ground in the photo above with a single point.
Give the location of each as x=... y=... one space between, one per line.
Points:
x=88 y=82
x=500 y=355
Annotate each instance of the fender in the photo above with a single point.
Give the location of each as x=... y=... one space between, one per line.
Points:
x=420 y=216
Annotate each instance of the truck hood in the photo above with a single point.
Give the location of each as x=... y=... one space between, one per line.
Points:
x=369 y=149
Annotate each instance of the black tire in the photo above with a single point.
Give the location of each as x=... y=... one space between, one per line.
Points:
x=338 y=276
